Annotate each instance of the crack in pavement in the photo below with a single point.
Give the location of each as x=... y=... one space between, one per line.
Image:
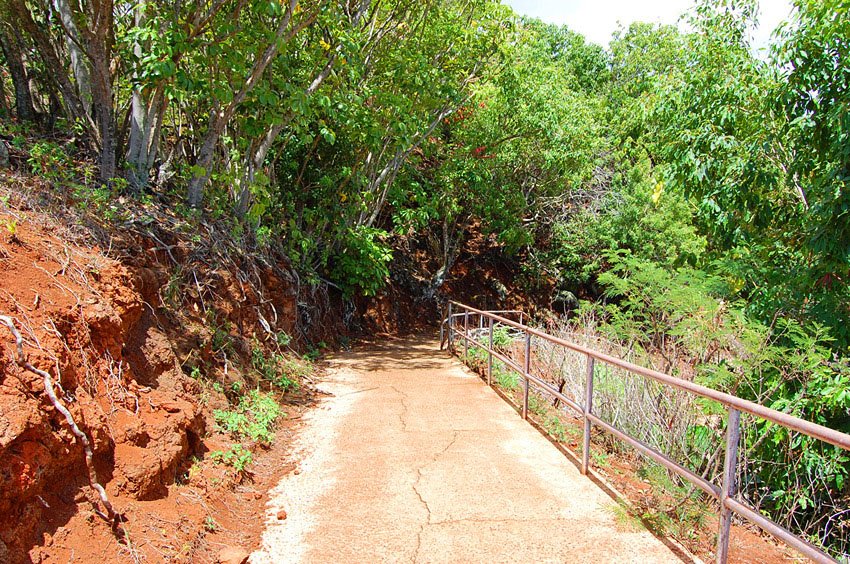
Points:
x=402 y=417
x=455 y=435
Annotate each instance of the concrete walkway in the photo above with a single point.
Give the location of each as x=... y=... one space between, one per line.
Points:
x=414 y=459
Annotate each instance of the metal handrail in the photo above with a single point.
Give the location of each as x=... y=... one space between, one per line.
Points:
x=725 y=493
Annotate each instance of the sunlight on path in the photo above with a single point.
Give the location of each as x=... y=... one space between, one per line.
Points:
x=414 y=459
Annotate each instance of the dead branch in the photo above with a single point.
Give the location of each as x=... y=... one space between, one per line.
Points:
x=22 y=361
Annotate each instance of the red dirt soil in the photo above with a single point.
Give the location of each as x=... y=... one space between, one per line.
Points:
x=95 y=324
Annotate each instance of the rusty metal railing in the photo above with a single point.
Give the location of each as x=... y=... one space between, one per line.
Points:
x=725 y=494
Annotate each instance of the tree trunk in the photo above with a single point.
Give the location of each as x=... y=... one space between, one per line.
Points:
x=145 y=121
x=195 y=195
x=143 y=146
x=21 y=16
x=102 y=97
x=98 y=38
x=72 y=43
x=5 y=108
x=14 y=60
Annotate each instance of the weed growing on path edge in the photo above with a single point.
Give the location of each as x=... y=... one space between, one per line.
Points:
x=253 y=417
x=238 y=457
x=282 y=372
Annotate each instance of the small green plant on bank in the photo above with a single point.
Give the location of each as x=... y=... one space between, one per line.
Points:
x=195 y=468
x=11 y=226
x=536 y=405
x=475 y=358
x=504 y=377
x=502 y=337
x=675 y=509
x=237 y=457
x=253 y=417
x=221 y=339
x=283 y=339
x=281 y=372
x=555 y=428
x=315 y=353
x=49 y=160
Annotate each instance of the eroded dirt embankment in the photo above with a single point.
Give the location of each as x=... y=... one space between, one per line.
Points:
x=146 y=348
x=82 y=317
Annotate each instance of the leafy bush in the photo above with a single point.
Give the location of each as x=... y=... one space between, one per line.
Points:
x=684 y=320
x=362 y=264
x=49 y=160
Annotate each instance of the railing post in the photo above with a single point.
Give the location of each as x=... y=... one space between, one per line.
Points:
x=490 y=356
x=449 y=321
x=442 y=329
x=728 y=488
x=465 y=333
x=527 y=371
x=588 y=408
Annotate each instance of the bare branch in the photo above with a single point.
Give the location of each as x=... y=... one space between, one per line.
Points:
x=22 y=361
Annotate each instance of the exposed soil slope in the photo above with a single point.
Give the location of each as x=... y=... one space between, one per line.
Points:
x=148 y=328
x=81 y=317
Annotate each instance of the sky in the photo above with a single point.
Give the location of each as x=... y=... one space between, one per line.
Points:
x=597 y=19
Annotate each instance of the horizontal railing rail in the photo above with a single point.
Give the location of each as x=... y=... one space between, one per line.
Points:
x=456 y=322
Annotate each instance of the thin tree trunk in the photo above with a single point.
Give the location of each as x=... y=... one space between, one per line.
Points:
x=98 y=41
x=72 y=43
x=102 y=96
x=145 y=119
x=20 y=81
x=5 y=107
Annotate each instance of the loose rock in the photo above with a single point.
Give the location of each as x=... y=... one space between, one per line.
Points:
x=233 y=555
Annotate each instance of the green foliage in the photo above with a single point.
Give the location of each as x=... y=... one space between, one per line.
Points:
x=49 y=160
x=815 y=94
x=502 y=337
x=253 y=417
x=685 y=316
x=363 y=262
x=639 y=217
x=506 y=378
x=279 y=370
x=237 y=457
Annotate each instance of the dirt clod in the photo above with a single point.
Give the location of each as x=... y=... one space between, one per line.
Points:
x=233 y=555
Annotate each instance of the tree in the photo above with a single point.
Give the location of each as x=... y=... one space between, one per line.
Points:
x=20 y=81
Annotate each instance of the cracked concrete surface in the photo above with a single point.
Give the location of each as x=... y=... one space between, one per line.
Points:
x=413 y=459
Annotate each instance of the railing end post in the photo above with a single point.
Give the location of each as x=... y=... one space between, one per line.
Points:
x=490 y=356
x=526 y=372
